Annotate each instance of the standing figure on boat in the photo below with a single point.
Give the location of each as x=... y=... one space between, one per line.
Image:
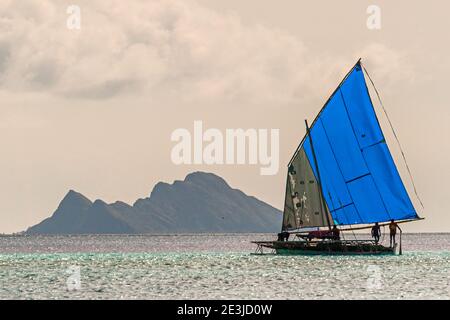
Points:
x=393 y=231
x=335 y=233
x=283 y=236
x=376 y=232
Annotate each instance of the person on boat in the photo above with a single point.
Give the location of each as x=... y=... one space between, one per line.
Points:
x=335 y=233
x=283 y=236
x=376 y=232
x=393 y=231
x=280 y=236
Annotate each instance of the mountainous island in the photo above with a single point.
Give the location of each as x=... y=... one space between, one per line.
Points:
x=201 y=203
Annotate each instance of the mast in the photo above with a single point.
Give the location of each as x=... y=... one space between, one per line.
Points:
x=323 y=205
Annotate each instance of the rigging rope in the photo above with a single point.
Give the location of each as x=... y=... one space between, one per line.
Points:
x=396 y=138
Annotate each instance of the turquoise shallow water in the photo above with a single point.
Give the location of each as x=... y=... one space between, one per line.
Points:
x=213 y=266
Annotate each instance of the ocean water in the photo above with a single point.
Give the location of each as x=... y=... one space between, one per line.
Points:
x=213 y=267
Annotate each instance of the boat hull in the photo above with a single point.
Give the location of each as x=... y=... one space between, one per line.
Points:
x=325 y=248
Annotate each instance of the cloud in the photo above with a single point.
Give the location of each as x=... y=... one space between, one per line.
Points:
x=152 y=47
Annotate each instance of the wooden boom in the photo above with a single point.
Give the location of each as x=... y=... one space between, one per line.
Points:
x=370 y=226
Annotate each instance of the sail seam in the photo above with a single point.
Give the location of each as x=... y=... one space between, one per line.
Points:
x=360 y=177
x=374 y=144
x=342 y=207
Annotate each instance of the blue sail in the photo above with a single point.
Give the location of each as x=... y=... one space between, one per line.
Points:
x=359 y=180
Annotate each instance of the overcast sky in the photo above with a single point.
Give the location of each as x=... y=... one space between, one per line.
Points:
x=93 y=109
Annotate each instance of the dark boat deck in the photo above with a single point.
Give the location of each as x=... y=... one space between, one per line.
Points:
x=321 y=247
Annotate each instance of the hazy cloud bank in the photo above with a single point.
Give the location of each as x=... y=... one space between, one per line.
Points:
x=159 y=47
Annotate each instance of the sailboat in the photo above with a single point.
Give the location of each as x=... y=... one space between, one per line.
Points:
x=342 y=178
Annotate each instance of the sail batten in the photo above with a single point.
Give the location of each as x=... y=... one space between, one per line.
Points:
x=359 y=180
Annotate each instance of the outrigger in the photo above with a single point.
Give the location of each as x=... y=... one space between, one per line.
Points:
x=342 y=177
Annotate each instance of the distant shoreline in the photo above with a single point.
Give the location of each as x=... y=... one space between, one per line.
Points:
x=166 y=234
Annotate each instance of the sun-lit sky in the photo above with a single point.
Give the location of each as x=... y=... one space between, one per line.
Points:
x=93 y=109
